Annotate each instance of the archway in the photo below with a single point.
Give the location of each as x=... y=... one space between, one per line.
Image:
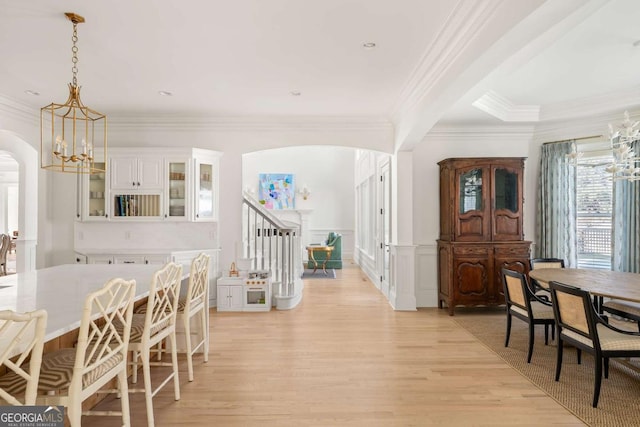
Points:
x=27 y=158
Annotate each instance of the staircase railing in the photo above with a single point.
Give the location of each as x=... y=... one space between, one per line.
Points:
x=274 y=245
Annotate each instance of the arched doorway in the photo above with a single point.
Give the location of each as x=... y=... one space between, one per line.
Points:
x=27 y=158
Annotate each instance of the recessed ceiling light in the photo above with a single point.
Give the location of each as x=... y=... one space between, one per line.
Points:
x=32 y=92
x=369 y=45
x=164 y=93
x=296 y=93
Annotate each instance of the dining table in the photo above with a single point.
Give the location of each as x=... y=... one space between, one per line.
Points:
x=599 y=283
x=62 y=290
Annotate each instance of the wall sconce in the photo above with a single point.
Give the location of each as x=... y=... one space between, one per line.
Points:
x=304 y=192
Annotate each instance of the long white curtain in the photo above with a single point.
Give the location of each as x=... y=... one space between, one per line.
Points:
x=626 y=223
x=556 y=233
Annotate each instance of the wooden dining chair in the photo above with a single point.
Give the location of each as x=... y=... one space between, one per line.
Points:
x=625 y=309
x=149 y=330
x=535 y=263
x=71 y=375
x=21 y=334
x=579 y=325
x=523 y=304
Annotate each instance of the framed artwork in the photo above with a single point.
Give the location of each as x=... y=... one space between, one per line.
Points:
x=276 y=190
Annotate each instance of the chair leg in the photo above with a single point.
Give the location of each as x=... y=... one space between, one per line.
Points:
x=598 y=379
x=532 y=334
x=553 y=333
x=187 y=340
x=506 y=340
x=606 y=367
x=559 y=358
x=579 y=354
x=75 y=412
x=174 y=361
x=205 y=334
x=134 y=367
x=546 y=334
x=148 y=390
x=124 y=398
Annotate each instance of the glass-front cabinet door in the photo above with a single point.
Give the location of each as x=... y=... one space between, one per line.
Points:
x=205 y=195
x=95 y=196
x=471 y=191
x=507 y=200
x=472 y=217
x=177 y=191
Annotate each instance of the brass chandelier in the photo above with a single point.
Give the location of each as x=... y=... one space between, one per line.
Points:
x=71 y=133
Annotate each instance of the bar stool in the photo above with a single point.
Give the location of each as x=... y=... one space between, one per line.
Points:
x=21 y=333
x=99 y=357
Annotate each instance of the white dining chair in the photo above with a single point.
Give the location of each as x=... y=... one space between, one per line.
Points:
x=22 y=335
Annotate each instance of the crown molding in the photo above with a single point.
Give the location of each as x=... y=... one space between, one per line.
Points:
x=458 y=31
x=593 y=105
x=509 y=132
x=500 y=107
x=246 y=123
x=18 y=111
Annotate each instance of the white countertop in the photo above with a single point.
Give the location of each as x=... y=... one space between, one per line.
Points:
x=61 y=290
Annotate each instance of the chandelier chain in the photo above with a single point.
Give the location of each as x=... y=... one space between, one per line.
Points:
x=74 y=56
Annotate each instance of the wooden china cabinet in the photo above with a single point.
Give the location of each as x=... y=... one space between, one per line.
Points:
x=480 y=229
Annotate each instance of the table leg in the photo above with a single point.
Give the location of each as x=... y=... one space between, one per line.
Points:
x=315 y=263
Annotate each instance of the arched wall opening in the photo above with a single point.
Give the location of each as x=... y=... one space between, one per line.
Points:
x=27 y=158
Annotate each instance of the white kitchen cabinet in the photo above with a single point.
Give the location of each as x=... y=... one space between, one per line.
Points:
x=177 y=190
x=206 y=187
x=136 y=173
x=230 y=294
x=179 y=184
x=100 y=259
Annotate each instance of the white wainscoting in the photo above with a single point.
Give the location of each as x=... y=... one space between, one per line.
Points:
x=402 y=292
x=367 y=264
x=427 y=276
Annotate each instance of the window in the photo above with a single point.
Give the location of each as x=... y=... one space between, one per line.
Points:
x=594 y=199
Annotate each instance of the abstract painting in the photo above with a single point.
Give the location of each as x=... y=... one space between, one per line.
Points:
x=276 y=190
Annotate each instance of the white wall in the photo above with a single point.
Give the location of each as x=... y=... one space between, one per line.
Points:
x=327 y=171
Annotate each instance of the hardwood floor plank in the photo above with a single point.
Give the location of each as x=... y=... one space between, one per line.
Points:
x=344 y=357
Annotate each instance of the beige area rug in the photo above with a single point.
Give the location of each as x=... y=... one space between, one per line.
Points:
x=619 y=403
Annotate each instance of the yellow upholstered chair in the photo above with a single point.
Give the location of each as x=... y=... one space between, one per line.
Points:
x=21 y=334
x=523 y=304
x=579 y=325
x=100 y=354
x=150 y=329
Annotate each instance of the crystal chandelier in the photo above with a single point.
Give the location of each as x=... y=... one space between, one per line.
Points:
x=71 y=133
x=625 y=163
x=625 y=160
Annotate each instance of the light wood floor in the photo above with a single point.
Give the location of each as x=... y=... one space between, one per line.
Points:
x=345 y=358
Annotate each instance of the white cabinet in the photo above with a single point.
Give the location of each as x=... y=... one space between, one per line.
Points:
x=100 y=259
x=177 y=190
x=171 y=184
x=230 y=294
x=206 y=188
x=136 y=173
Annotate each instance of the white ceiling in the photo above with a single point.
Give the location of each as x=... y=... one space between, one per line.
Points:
x=245 y=57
